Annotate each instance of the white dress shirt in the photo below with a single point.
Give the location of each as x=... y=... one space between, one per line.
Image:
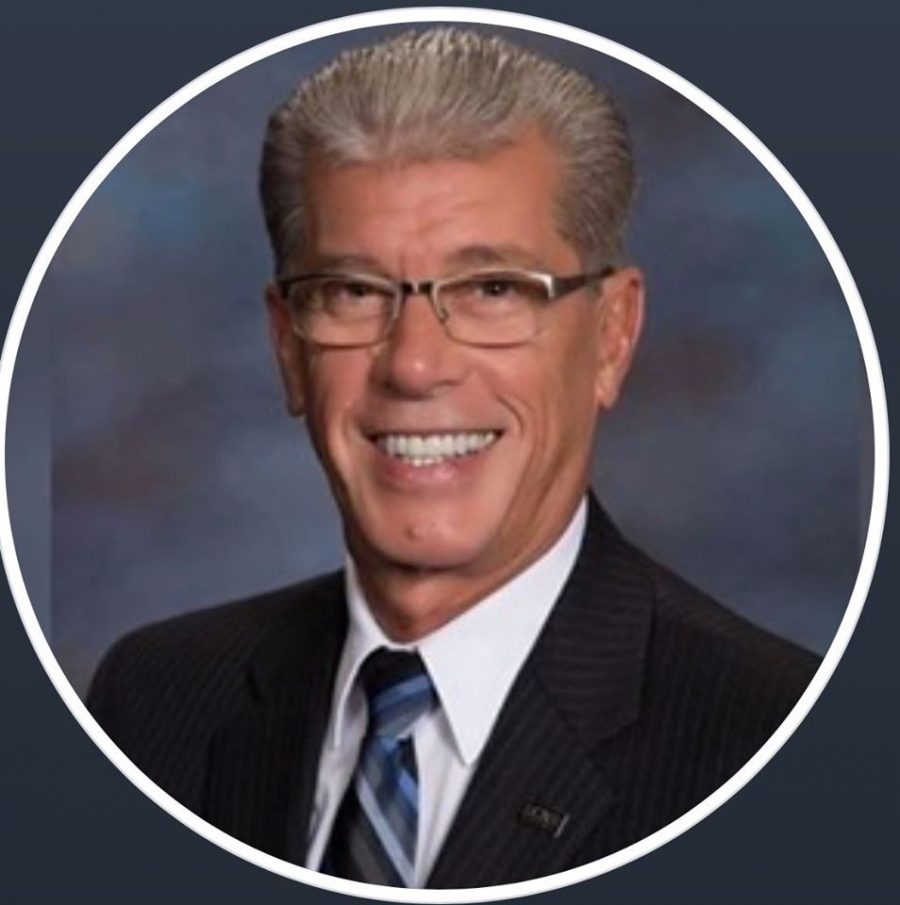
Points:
x=473 y=661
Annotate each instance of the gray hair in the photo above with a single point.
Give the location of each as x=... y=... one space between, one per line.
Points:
x=450 y=93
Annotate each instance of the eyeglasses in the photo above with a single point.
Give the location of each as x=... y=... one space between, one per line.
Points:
x=495 y=308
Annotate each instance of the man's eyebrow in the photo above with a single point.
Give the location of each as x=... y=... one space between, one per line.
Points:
x=493 y=256
x=346 y=263
x=466 y=258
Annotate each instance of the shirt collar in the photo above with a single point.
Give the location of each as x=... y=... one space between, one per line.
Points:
x=474 y=659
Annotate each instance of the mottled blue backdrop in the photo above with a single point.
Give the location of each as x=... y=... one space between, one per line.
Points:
x=739 y=454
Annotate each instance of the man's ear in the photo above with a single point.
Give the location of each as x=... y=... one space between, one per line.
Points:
x=621 y=315
x=288 y=349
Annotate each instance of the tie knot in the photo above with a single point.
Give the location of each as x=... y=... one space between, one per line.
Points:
x=398 y=690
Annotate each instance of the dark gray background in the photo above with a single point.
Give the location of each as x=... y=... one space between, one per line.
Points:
x=802 y=829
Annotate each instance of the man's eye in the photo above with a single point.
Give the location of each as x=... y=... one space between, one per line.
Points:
x=349 y=290
x=349 y=299
x=514 y=289
x=493 y=294
x=498 y=288
x=357 y=290
x=350 y=295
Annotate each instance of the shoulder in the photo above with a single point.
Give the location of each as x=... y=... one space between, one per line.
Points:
x=205 y=642
x=670 y=631
x=163 y=690
x=716 y=687
x=694 y=635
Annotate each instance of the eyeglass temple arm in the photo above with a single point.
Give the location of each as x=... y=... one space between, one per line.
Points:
x=564 y=285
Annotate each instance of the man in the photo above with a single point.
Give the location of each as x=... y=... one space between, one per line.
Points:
x=498 y=686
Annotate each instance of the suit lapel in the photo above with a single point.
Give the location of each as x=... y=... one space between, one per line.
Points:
x=538 y=792
x=263 y=765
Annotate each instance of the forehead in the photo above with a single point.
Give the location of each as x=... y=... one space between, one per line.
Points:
x=502 y=204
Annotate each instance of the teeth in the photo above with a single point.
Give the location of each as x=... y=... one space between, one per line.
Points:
x=421 y=451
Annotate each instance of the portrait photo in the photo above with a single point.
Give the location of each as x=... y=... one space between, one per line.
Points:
x=458 y=455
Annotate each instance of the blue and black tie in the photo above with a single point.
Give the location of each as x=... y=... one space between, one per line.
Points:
x=375 y=831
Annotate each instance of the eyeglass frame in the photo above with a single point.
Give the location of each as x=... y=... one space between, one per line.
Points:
x=557 y=287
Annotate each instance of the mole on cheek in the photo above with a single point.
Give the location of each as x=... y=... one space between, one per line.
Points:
x=413 y=532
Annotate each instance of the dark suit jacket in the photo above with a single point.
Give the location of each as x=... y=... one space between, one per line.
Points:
x=640 y=698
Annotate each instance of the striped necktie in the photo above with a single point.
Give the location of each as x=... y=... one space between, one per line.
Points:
x=375 y=831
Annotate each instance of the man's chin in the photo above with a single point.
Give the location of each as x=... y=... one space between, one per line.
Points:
x=424 y=561
x=407 y=554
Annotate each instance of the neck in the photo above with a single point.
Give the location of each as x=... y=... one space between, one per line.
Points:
x=412 y=603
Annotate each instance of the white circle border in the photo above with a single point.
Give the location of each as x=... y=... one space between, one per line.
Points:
x=765 y=157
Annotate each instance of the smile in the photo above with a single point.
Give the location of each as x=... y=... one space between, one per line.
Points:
x=423 y=450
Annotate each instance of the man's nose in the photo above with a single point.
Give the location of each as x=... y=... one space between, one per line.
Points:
x=418 y=357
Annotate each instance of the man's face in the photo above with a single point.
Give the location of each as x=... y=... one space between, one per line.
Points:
x=525 y=414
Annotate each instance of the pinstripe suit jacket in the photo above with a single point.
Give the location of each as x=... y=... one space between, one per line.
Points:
x=640 y=698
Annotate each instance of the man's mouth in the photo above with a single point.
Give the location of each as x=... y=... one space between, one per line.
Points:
x=423 y=450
